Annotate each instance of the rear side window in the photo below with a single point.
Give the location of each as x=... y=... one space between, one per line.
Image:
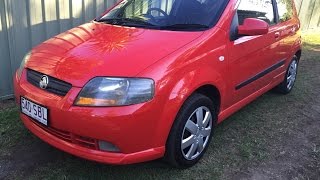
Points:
x=256 y=9
x=285 y=10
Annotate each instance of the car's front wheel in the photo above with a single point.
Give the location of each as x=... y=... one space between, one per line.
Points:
x=191 y=132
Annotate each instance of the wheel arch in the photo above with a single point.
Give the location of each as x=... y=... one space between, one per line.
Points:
x=212 y=86
x=212 y=92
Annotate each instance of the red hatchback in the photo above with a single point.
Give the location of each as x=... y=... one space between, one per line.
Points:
x=152 y=78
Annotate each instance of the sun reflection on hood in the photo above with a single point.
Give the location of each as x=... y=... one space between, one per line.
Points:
x=106 y=41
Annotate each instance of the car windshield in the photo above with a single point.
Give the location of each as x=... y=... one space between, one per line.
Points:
x=166 y=14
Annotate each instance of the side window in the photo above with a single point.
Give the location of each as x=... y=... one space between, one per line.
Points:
x=285 y=10
x=259 y=9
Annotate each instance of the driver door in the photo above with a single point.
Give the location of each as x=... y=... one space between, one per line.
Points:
x=253 y=59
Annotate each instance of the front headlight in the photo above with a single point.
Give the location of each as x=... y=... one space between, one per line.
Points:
x=104 y=91
x=23 y=63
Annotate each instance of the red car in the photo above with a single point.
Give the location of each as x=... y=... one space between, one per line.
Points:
x=152 y=78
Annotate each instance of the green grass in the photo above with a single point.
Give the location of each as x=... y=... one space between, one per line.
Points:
x=311 y=41
x=312 y=38
x=11 y=130
x=253 y=135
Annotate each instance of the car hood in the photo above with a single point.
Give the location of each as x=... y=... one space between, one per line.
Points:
x=96 y=49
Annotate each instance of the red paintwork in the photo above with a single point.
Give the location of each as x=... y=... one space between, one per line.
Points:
x=252 y=26
x=178 y=62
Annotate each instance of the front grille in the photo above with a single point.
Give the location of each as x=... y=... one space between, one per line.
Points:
x=55 y=86
x=70 y=137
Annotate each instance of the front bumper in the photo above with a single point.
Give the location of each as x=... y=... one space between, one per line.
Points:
x=131 y=128
x=99 y=156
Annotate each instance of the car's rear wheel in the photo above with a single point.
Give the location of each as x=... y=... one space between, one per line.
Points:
x=191 y=132
x=288 y=83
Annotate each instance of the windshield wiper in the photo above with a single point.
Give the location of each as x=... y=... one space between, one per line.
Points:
x=185 y=27
x=136 y=22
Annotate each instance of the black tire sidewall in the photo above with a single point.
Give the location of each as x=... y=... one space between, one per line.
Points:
x=173 y=148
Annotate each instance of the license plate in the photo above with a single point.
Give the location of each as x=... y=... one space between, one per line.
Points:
x=35 y=111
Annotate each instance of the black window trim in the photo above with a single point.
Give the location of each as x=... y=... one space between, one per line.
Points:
x=278 y=17
x=276 y=13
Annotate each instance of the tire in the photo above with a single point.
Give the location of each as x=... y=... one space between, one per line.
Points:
x=287 y=84
x=187 y=129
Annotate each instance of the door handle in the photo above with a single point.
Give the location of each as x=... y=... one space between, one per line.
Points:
x=277 y=35
x=293 y=30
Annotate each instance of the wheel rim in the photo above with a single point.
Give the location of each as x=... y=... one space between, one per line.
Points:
x=292 y=74
x=196 y=133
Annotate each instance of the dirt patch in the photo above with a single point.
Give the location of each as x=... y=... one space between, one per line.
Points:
x=6 y=104
x=296 y=156
x=27 y=156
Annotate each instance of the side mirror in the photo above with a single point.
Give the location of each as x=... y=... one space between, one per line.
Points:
x=252 y=27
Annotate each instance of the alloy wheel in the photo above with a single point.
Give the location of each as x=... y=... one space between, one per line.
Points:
x=196 y=133
x=292 y=74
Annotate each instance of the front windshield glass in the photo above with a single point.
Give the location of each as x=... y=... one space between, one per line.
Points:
x=166 y=14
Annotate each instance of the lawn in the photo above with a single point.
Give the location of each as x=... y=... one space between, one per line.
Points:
x=276 y=136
